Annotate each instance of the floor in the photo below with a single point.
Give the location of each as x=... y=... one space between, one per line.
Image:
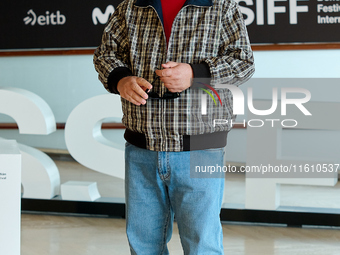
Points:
x=62 y=235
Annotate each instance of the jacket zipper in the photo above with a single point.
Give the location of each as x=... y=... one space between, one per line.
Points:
x=163 y=145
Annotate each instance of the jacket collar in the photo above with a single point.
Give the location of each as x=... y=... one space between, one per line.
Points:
x=157 y=3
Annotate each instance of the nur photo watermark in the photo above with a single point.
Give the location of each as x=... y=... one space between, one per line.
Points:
x=265 y=111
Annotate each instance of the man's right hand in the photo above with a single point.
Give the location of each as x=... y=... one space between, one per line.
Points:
x=132 y=88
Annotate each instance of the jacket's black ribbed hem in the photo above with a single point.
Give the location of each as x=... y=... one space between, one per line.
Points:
x=115 y=76
x=190 y=142
x=135 y=138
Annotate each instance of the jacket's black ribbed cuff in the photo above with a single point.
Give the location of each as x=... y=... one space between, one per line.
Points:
x=115 y=76
x=201 y=70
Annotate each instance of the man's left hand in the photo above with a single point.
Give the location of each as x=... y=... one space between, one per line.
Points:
x=176 y=76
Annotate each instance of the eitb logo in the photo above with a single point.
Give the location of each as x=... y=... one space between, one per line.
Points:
x=48 y=18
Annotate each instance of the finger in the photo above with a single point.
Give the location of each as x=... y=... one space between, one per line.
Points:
x=170 y=64
x=133 y=93
x=166 y=72
x=136 y=99
x=144 y=83
x=174 y=89
x=138 y=90
x=159 y=72
x=144 y=86
x=132 y=100
x=170 y=80
x=168 y=85
x=173 y=86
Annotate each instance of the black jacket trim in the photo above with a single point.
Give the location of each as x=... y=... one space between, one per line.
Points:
x=190 y=142
x=201 y=70
x=115 y=76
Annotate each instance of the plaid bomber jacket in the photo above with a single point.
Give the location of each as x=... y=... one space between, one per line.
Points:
x=210 y=35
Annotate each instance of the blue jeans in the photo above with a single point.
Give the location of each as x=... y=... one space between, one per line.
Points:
x=158 y=187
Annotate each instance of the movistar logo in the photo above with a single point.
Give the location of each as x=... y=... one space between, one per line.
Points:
x=97 y=15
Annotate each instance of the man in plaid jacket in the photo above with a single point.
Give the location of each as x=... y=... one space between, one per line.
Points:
x=154 y=53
